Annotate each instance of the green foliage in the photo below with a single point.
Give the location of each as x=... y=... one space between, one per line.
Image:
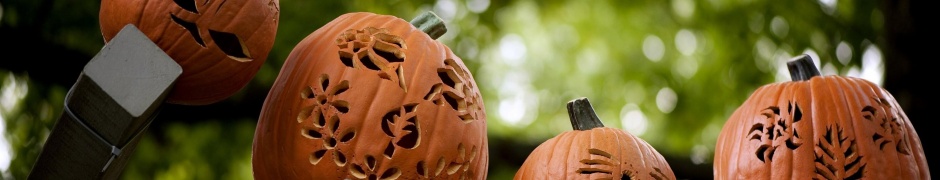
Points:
x=205 y=150
x=29 y=110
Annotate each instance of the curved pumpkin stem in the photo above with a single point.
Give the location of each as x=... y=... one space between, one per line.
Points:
x=430 y=23
x=802 y=68
x=582 y=115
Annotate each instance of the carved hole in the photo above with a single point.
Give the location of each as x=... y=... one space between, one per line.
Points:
x=422 y=170
x=307 y=93
x=473 y=154
x=385 y=76
x=466 y=118
x=368 y=62
x=346 y=58
x=770 y=154
x=797 y=113
x=388 y=52
x=321 y=121
x=446 y=77
x=305 y=113
x=316 y=156
x=321 y=100
x=390 y=174
x=461 y=150
x=392 y=39
x=592 y=171
x=757 y=127
x=389 y=150
x=658 y=174
x=411 y=139
x=599 y=153
x=310 y=133
x=881 y=145
x=435 y=89
x=453 y=64
x=357 y=47
x=357 y=171
x=188 y=5
x=440 y=166
x=231 y=45
x=370 y=162
x=341 y=42
x=330 y=143
x=335 y=125
x=349 y=136
x=871 y=112
x=828 y=162
x=858 y=174
x=341 y=106
x=626 y=175
x=453 y=167
x=410 y=107
x=592 y=162
x=454 y=101
x=339 y=158
x=341 y=87
x=324 y=82
x=191 y=27
x=388 y=119
x=775 y=109
x=401 y=77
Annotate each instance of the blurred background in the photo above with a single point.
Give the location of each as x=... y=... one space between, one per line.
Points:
x=668 y=71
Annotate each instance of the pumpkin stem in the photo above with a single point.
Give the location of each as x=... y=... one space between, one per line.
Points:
x=431 y=24
x=582 y=115
x=802 y=68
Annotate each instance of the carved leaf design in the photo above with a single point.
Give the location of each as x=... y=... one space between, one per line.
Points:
x=837 y=156
x=889 y=126
x=776 y=131
x=376 y=50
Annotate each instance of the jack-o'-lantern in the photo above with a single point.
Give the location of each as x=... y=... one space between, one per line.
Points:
x=819 y=127
x=592 y=151
x=370 y=96
x=220 y=44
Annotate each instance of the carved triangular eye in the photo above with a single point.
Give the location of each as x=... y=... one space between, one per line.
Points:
x=189 y=5
x=231 y=45
x=191 y=27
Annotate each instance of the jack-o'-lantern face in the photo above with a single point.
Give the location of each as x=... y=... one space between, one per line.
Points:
x=228 y=43
x=219 y=43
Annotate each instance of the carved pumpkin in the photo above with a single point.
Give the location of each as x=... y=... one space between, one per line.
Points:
x=593 y=151
x=370 y=96
x=220 y=44
x=819 y=127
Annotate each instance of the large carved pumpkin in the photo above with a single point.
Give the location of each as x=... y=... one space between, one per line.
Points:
x=370 y=96
x=592 y=151
x=220 y=44
x=819 y=127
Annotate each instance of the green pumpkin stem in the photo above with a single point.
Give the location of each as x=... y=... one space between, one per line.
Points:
x=802 y=68
x=582 y=115
x=430 y=24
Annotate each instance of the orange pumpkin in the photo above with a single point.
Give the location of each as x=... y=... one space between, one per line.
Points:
x=370 y=96
x=819 y=127
x=219 y=44
x=593 y=151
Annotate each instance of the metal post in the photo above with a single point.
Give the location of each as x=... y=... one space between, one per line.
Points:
x=113 y=101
